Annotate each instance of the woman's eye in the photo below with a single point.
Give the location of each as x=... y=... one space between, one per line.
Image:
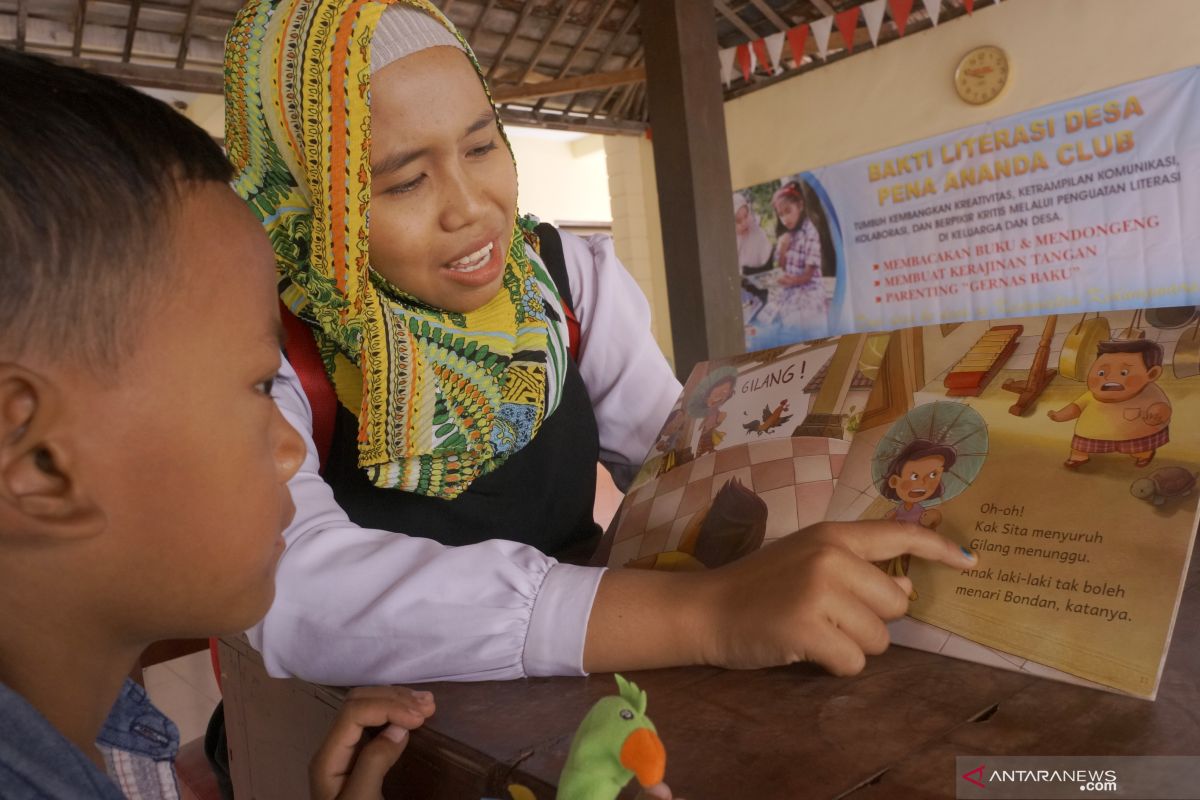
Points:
x=479 y=152
x=407 y=186
x=266 y=386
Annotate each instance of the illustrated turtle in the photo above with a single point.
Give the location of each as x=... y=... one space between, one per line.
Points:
x=1163 y=484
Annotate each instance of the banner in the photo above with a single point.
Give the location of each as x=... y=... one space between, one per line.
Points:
x=1084 y=205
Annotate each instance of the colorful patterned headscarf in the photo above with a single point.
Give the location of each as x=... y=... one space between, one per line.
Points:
x=441 y=398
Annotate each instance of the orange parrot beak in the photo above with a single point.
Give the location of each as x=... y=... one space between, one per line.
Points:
x=643 y=754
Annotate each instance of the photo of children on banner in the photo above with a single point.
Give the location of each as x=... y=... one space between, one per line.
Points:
x=930 y=455
x=756 y=254
x=786 y=292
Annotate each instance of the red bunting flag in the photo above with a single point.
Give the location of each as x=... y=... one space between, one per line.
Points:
x=760 y=52
x=796 y=38
x=847 y=21
x=743 y=59
x=900 y=11
x=969 y=5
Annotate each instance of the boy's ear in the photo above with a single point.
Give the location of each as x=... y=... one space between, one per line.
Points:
x=1154 y=372
x=39 y=495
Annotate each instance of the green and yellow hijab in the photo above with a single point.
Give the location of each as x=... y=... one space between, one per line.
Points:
x=441 y=398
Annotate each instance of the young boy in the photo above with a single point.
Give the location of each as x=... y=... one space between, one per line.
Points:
x=143 y=463
x=1124 y=410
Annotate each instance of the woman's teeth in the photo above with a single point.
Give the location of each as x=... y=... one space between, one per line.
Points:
x=474 y=261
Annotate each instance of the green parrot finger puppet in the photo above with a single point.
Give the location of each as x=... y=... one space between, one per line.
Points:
x=615 y=742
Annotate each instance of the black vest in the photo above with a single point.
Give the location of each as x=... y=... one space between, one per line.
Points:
x=541 y=496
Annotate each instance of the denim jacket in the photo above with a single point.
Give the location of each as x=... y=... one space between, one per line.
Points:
x=138 y=743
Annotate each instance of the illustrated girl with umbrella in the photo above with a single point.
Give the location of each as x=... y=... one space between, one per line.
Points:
x=929 y=456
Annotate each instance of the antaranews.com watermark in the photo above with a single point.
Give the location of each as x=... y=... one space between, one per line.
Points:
x=1053 y=777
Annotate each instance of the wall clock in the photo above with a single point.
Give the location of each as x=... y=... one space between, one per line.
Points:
x=981 y=75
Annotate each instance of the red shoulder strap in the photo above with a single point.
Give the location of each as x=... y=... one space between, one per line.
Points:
x=573 y=330
x=306 y=360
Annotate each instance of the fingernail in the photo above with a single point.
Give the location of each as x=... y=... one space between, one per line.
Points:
x=967 y=553
x=423 y=697
x=395 y=733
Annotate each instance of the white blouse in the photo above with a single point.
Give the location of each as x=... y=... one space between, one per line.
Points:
x=360 y=606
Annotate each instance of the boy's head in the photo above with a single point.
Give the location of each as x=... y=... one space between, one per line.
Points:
x=143 y=464
x=1122 y=369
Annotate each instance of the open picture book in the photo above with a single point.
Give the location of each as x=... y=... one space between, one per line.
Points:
x=1059 y=449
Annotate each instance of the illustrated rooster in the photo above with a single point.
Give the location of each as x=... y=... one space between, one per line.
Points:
x=770 y=419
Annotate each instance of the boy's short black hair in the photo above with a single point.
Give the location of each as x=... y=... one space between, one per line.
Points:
x=1151 y=352
x=90 y=178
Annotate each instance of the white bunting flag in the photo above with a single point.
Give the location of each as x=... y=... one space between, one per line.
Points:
x=775 y=44
x=934 y=8
x=820 y=31
x=873 y=14
x=727 y=56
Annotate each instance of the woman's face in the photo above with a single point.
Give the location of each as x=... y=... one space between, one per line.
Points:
x=919 y=478
x=443 y=186
x=790 y=212
x=741 y=219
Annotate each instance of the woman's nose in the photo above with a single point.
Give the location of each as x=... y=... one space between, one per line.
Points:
x=462 y=203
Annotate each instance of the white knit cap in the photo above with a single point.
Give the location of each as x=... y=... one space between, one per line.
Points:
x=404 y=30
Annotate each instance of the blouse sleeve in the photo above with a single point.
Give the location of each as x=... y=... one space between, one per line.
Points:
x=355 y=606
x=630 y=383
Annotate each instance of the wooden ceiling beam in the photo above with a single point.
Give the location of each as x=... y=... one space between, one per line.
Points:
x=22 y=19
x=737 y=21
x=80 y=21
x=768 y=12
x=578 y=83
x=135 y=9
x=541 y=48
x=508 y=40
x=185 y=38
x=487 y=8
x=824 y=7
x=635 y=58
x=584 y=38
x=626 y=25
x=185 y=80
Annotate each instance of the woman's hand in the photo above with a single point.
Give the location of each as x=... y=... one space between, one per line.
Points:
x=813 y=596
x=347 y=769
x=817 y=596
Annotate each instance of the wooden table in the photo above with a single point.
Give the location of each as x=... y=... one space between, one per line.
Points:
x=795 y=732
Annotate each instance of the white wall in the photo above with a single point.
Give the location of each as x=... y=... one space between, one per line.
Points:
x=1057 y=49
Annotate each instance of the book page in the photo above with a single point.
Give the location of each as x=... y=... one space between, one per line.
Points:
x=750 y=453
x=1060 y=450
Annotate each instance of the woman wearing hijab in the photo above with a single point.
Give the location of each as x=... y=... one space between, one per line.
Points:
x=461 y=415
x=755 y=254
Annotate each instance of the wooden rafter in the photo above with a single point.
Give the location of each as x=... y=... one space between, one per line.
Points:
x=626 y=25
x=770 y=14
x=22 y=17
x=824 y=7
x=549 y=37
x=185 y=38
x=578 y=83
x=508 y=40
x=80 y=21
x=186 y=80
x=634 y=58
x=487 y=9
x=737 y=21
x=135 y=9
x=629 y=92
x=584 y=38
